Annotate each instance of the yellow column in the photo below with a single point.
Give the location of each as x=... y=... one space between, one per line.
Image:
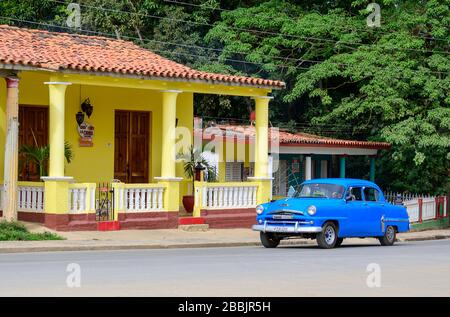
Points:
x=56 y=198
x=168 y=155
x=262 y=149
x=11 y=149
x=262 y=136
x=57 y=91
x=169 y=110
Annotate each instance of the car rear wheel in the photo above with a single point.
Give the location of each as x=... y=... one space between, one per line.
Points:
x=389 y=236
x=327 y=238
x=339 y=242
x=269 y=240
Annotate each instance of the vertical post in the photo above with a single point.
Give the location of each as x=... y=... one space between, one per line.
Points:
x=262 y=136
x=56 y=198
x=372 y=169
x=308 y=168
x=323 y=169
x=420 y=201
x=262 y=176
x=342 y=166
x=447 y=207
x=57 y=97
x=168 y=155
x=11 y=149
x=169 y=109
x=436 y=207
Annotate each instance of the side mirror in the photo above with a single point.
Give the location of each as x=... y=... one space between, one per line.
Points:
x=348 y=198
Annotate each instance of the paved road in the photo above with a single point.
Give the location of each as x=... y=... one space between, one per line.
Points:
x=407 y=269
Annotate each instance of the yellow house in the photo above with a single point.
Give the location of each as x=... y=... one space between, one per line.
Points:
x=119 y=107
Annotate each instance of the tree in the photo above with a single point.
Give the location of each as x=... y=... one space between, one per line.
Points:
x=387 y=84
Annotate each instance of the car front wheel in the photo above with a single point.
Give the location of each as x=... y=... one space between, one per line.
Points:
x=269 y=240
x=389 y=236
x=327 y=238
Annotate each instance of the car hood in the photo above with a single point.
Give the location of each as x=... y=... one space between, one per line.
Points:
x=300 y=204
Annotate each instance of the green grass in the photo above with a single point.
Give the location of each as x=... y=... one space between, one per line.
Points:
x=15 y=231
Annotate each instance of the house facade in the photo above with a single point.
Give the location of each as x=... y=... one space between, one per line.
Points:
x=119 y=108
x=293 y=157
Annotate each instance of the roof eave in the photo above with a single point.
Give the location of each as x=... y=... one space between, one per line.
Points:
x=21 y=67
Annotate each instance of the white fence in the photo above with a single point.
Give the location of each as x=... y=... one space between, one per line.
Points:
x=227 y=195
x=139 y=197
x=422 y=208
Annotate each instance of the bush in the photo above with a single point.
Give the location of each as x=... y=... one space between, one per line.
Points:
x=15 y=231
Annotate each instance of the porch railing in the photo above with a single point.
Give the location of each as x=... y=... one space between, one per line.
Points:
x=226 y=195
x=30 y=196
x=81 y=197
x=139 y=197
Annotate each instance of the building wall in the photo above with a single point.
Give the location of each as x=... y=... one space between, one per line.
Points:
x=2 y=126
x=96 y=164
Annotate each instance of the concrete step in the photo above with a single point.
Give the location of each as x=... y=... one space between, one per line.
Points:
x=79 y=225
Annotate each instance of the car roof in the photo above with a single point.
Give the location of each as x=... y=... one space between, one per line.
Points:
x=341 y=181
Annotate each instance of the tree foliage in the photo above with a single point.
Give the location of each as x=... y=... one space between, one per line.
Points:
x=344 y=79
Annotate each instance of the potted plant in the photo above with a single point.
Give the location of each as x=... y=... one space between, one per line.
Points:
x=39 y=155
x=194 y=160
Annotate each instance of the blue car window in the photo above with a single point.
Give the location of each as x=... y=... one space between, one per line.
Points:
x=355 y=193
x=320 y=191
x=371 y=194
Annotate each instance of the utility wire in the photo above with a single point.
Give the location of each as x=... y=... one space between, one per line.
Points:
x=265 y=15
x=179 y=53
x=249 y=30
x=161 y=42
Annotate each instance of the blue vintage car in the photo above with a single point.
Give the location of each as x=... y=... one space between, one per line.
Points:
x=329 y=210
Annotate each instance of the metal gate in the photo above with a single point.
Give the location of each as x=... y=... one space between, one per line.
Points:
x=104 y=203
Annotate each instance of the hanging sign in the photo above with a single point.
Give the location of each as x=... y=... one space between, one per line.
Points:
x=86 y=132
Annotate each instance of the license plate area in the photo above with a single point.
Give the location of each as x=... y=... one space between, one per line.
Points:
x=280 y=229
x=283 y=217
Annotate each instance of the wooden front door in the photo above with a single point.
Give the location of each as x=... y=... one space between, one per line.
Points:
x=33 y=131
x=131 y=148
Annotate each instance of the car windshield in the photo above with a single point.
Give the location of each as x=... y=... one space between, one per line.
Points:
x=320 y=191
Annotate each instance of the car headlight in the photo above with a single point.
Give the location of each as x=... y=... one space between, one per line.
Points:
x=312 y=210
x=259 y=209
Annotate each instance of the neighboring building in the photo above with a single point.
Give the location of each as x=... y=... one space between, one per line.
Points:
x=294 y=157
x=117 y=105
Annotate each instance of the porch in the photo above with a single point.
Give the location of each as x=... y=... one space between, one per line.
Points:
x=124 y=151
x=123 y=115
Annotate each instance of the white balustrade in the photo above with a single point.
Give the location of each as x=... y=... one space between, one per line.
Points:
x=30 y=198
x=217 y=196
x=140 y=199
x=77 y=200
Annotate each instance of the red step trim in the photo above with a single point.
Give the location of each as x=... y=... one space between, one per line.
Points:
x=191 y=221
x=108 y=225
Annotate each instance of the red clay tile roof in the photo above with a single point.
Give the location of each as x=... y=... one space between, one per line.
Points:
x=63 y=51
x=289 y=139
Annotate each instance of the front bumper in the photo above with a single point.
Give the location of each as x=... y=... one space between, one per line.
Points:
x=293 y=227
